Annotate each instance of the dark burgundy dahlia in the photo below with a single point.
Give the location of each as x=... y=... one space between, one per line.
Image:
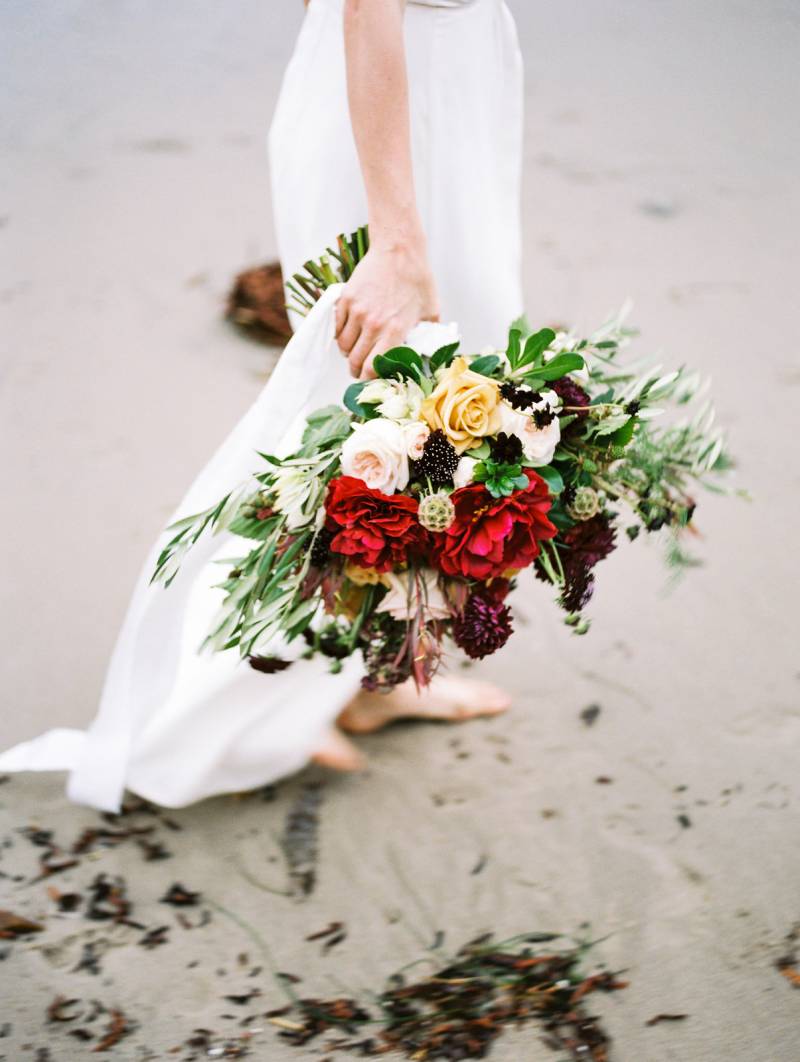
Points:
x=482 y=627
x=571 y=394
x=589 y=542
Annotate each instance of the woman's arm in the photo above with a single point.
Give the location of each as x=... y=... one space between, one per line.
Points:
x=392 y=288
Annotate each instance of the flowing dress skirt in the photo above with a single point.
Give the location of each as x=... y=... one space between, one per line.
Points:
x=176 y=726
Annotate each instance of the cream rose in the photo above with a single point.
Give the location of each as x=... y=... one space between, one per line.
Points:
x=416 y=433
x=376 y=453
x=538 y=444
x=464 y=405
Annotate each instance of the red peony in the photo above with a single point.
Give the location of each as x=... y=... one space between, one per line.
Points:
x=373 y=529
x=490 y=535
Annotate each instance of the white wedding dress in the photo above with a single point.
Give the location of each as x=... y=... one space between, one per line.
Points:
x=175 y=726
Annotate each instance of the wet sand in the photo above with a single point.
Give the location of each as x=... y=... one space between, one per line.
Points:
x=661 y=163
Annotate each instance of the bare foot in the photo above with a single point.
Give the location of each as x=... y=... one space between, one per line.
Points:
x=339 y=753
x=448 y=697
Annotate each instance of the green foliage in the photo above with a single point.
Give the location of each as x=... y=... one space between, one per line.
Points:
x=351 y=401
x=500 y=479
x=442 y=357
x=400 y=363
x=325 y=427
x=552 y=477
x=486 y=365
x=334 y=267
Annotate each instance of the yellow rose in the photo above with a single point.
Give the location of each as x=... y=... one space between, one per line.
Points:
x=361 y=576
x=464 y=405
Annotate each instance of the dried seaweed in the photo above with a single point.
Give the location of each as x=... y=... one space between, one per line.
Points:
x=89 y=960
x=108 y=901
x=54 y=859
x=461 y=1010
x=118 y=1026
x=332 y=935
x=94 y=837
x=658 y=1018
x=179 y=896
x=66 y=901
x=14 y=925
x=57 y=1011
x=243 y=998
x=789 y=963
x=153 y=850
x=154 y=937
x=209 y=1046
x=257 y=304
x=590 y=714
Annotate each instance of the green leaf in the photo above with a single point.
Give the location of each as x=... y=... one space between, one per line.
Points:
x=325 y=425
x=559 y=366
x=522 y=325
x=250 y=527
x=443 y=356
x=535 y=346
x=613 y=424
x=270 y=458
x=562 y=521
x=622 y=436
x=485 y=365
x=479 y=453
x=400 y=362
x=552 y=477
x=536 y=383
x=512 y=350
x=368 y=411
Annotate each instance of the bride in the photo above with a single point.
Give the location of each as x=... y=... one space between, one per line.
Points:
x=408 y=116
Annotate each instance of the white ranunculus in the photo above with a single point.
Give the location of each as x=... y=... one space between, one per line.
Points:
x=295 y=489
x=538 y=444
x=416 y=434
x=465 y=469
x=427 y=336
x=406 y=595
x=376 y=454
x=394 y=399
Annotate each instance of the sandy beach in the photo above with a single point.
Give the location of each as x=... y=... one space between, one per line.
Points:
x=662 y=164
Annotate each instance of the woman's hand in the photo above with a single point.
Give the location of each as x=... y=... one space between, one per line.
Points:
x=391 y=290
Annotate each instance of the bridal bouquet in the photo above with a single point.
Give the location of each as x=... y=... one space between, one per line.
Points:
x=406 y=514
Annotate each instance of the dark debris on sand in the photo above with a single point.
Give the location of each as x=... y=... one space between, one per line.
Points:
x=299 y=838
x=789 y=963
x=460 y=1011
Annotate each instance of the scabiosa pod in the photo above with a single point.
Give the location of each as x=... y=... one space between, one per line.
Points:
x=436 y=511
x=584 y=504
